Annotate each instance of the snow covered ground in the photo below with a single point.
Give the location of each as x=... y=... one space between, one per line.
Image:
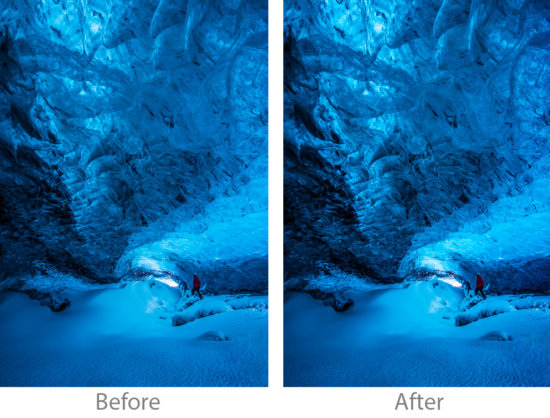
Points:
x=418 y=334
x=131 y=336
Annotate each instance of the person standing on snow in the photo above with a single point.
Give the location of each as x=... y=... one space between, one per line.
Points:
x=479 y=286
x=196 y=286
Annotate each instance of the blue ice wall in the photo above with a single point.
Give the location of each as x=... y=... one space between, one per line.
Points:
x=417 y=139
x=133 y=139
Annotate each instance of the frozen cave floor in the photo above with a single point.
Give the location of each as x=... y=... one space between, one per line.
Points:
x=420 y=334
x=140 y=334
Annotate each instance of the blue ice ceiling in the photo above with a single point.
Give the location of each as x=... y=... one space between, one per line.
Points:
x=133 y=139
x=417 y=139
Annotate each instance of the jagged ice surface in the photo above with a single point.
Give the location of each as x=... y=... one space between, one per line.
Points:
x=133 y=139
x=417 y=138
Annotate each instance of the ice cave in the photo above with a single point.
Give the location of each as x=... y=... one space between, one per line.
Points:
x=133 y=155
x=417 y=156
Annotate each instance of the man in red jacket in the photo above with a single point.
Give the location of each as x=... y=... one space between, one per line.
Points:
x=196 y=285
x=479 y=286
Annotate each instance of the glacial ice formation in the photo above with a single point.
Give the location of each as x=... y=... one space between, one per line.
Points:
x=417 y=139
x=133 y=140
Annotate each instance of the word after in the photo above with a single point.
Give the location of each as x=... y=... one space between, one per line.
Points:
x=417 y=402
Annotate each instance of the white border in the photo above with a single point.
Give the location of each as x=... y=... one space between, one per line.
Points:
x=276 y=64
x=276 y=401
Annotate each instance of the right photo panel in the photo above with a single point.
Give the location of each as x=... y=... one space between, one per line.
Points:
x=417 y=193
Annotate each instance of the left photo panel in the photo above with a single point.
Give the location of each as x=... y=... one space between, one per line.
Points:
x=133 y=193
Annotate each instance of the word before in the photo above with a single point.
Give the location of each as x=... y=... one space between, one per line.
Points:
x=126 y=402
x=421 y=403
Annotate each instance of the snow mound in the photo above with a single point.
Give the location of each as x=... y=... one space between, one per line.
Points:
x=541 y=303
x=201 y=309
x=336 y=288
x=192 y=309
x=483 y=310
x=213 y=336
x=498 y=305
x=257 y=303
x=496 y=336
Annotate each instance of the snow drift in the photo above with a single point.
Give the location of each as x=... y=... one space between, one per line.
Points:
x=417 y=334
x=123 y=335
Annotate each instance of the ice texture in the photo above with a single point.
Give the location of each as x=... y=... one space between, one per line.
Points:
x=133 y=140
x=417 y=139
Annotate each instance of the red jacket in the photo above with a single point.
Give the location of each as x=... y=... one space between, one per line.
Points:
x=196 y=281
x=480 y=282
